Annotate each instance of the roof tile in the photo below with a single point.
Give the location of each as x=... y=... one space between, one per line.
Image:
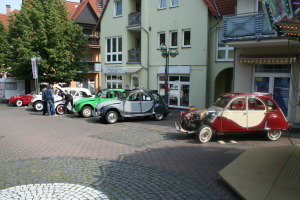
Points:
x=221 y=7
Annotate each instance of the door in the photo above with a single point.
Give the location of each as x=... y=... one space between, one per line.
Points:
x=132 y=105
x=234 y=117
x=256 y=114
x=147 y=103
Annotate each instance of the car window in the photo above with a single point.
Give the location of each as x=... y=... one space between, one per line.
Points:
x=134 y=97
x=238 y=104
x=74 y=93
x=222 y=102
x=83 y=94
x=146 y=97
x=255 y=104
x=270 y=105
x=157 y=97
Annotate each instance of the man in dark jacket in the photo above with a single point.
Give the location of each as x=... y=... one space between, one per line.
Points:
x=49 y=97
x=68 y=99
x=44 y=101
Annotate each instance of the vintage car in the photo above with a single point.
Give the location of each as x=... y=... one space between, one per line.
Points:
x=236 y=113
x=136 y=103
x=20 y=100
x=77 y=93
x=84 y=107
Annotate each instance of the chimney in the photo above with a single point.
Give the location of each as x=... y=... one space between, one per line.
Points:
x=8 y=9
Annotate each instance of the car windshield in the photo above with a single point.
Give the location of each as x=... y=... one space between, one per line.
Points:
x=222 y=102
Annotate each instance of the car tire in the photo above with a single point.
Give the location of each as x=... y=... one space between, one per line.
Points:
x=204 y=134
x=86 y=111
x=111 y=117
x=273 y=135
x=158 y=117
x=60 y=109
x=19 y=102
x=38 y=106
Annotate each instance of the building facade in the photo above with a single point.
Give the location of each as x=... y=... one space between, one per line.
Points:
x=264 y=60
x=132 y=32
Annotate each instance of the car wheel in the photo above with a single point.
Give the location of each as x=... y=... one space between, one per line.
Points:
x=158 y=117
x=60 y=109
x=273 y=135
x=204 y=134
x=86 y=111
x=111 y=117
x=38 y=106
x=19 y=102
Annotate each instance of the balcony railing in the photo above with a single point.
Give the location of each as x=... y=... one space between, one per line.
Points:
x=134 y=56
x=94 y=42
x=248 y=26
x=134 y=19
x=94 y=66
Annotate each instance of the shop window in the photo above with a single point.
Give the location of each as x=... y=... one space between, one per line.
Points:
x=11 y=86
x=224 y=52
x=113 y=82
x=272 y=68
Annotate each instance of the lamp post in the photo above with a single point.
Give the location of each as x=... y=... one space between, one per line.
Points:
x=166 y=53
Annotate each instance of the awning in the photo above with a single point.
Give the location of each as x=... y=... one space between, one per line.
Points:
x=268 y=59
x=121 y=70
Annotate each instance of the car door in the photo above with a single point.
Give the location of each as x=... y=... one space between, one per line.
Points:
x=256 y=114
x=132 y=105
x=234 y=117
x=147 y=103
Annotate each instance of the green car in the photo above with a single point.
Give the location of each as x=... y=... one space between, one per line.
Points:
x=84 y=107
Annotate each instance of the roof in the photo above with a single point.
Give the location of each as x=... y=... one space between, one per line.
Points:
x=4 y=20
x=71 y=7
x=74 y=8
x=221 y=7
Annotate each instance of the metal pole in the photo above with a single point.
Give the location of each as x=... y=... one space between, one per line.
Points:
x=166 y=79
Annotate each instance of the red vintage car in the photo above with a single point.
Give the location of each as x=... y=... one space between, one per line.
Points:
x=236 y=112
x=20 y=100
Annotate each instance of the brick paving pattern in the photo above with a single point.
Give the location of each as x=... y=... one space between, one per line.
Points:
x=134 y=159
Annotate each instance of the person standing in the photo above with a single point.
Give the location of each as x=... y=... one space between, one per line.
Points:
x=49 y=96
x=44 y=101
x=68 y=99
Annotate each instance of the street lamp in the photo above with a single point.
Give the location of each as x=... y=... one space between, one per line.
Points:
x=166 y=53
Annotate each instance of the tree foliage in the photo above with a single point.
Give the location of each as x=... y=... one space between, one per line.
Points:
x=3 y=47
x=42 y=28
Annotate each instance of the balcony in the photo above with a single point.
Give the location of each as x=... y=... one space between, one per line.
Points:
x=134 y=20
x=250 y=26
x=94 y=66
x=134 y=56
x=94 y=42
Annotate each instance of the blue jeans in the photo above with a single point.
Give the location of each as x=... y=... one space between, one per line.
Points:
x=50 y=107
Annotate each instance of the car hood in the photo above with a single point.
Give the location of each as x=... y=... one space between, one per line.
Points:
x=109 y=103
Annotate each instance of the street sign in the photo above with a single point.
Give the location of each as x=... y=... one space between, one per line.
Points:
x=34 y=68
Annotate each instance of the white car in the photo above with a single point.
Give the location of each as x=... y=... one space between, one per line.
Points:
x=77 y=93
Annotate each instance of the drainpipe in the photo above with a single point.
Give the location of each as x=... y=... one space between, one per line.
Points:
x=148 y=58
x=208 y=70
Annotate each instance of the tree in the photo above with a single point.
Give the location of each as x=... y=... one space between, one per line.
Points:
x=3 y=47
x=42 y=28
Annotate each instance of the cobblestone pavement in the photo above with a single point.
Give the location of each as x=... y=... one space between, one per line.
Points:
x=134 y=159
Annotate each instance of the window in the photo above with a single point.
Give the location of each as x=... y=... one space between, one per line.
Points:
x=174 y=3
x=134 y=97
x=11 y=86
x=146 y=97
x=173 y=37
x=106 y=94
x=118 y=8
x=162 y=4
x=259 y=6
x=238 y=104
x=114 y=50
x=186 y=38
x=113 y=81
x=255 y=104
x=161 y=38
x=270 y=105
x=224 y=52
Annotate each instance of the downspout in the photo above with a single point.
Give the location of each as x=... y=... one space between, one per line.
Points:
x=208 y=70
x=148 y=58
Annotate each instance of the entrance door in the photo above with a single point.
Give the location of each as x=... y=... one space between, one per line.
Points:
x=174 y=94
x=279 y=87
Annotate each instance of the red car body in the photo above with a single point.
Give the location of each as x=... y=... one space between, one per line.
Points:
x=20 y=100
x=236 y=112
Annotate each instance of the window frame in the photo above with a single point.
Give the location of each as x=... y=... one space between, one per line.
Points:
x=173 y=6
x=174 y=47
x=226 y=49
x=111 y=53
x=160 y=5
x=160 y=33
x=116 y=3
x=183 y=34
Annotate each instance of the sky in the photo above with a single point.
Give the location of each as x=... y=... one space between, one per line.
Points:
x=15 y=4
